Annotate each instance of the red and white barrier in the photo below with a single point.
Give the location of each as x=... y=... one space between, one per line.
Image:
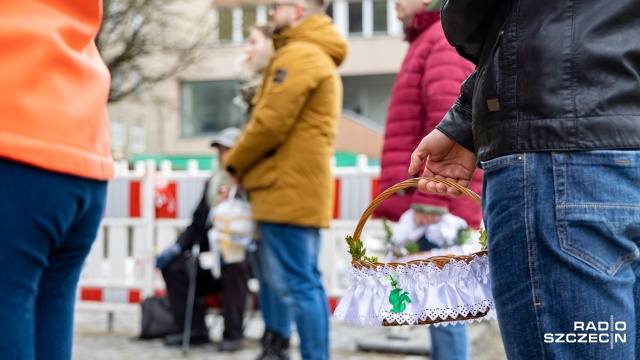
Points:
x=147 y=209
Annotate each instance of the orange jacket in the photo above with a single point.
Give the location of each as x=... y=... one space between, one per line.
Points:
x=54 y=87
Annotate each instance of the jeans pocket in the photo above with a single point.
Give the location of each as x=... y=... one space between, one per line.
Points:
x=597 y=207
x=600 y=236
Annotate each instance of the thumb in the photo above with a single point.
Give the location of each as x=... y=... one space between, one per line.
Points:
x=418 y=157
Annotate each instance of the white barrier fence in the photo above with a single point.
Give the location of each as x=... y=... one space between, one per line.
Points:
x=121 y=265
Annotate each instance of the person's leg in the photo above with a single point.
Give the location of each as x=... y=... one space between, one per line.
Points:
x=449 y=342
x=48 y=222
x=294 y=251
x=234 y=286
x=563 y=231
x=636 y=300
x=56 y=298
x=176 y=279
x=177 y=283
x=276 y=314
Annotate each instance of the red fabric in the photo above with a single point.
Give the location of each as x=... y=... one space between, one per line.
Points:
x=426 y=87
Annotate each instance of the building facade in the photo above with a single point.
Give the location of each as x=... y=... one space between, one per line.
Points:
x=179 y=115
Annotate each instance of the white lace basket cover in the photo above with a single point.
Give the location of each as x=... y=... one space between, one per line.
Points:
x=446 y=289
x=459 y=290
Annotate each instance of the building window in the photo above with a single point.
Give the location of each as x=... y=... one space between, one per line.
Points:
x=225 y=24
x=368 y=95
x=116 y=130
x=207 y=107
x=355 y=18
x=249 y=19
x=234 y=24
x=136 y=139
x=379 y=16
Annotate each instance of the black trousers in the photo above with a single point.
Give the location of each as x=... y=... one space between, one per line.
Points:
x=232 y=283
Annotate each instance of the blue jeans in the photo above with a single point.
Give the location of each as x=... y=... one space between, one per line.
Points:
x=563 y=234
x=293 y=272
x=276 y=314
x=48 y=222
x=449 y=342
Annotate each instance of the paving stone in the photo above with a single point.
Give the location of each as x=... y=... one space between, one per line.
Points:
x=94 y=341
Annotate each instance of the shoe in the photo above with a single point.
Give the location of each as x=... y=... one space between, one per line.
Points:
x=267 y=339
x=230 y=345
x=274 y=346
x=197 y=337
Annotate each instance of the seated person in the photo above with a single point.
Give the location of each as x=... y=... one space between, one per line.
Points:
x=233 y=279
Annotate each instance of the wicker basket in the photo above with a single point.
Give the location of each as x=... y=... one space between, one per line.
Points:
x=440 y=289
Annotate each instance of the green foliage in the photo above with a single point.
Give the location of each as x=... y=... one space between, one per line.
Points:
x=412 y=248
x=357 y=251
x=396 y=250
x=463 y=237
x=387 y=230
x=483 y=239
x=355 y=248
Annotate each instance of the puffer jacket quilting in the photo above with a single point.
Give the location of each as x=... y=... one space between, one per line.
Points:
x=426 y=87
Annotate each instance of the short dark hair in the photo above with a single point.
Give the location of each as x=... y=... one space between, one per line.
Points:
x=320 y=4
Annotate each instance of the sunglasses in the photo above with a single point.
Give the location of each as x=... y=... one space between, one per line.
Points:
x=274 y=5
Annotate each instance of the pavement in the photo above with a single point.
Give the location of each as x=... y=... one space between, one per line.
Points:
x=93 y=340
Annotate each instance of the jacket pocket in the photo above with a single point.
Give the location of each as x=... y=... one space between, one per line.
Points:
x=262 y=175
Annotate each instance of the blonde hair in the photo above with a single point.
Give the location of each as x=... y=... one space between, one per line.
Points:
x=266 y=30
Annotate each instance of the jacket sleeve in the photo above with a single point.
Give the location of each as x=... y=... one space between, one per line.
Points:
x=294 y=74
x=197 y=230
x=466 y=24
x=456 y=124
x=444 y=72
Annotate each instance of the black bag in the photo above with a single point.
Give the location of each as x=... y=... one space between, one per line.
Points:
x=157 y=320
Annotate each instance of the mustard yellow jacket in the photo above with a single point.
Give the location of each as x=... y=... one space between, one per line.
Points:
x=283 y=156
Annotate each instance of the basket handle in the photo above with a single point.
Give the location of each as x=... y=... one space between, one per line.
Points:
x=403 y=185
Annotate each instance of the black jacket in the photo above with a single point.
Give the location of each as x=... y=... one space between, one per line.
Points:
x=559 y=75
x=197 y=230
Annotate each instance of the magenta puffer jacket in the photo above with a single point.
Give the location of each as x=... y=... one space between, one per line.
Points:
x=426 y=87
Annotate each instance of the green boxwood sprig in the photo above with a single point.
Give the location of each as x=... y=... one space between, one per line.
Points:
x=357 y=251
x=483 y=240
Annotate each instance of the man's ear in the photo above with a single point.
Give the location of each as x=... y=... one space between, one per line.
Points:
x=299 y=10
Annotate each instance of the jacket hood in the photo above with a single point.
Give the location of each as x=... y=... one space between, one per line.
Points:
x=319 y=30
x=421 y=22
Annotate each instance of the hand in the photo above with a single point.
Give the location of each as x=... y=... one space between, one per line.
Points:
x=443 y=158
x=165 y=257
x=234 y=181
x=224 y=192
x=424 y=218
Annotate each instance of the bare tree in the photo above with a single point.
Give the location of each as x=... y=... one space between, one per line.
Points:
x=147 y=41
